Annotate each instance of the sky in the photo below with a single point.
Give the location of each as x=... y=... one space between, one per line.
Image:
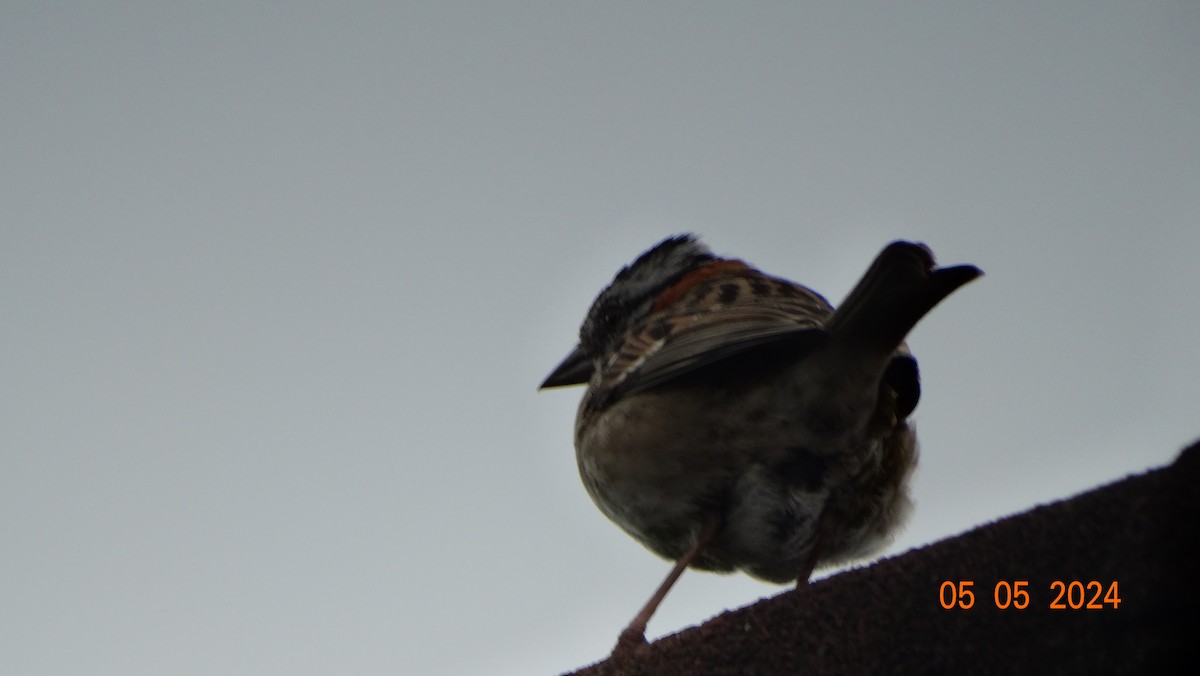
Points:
x=278 y=283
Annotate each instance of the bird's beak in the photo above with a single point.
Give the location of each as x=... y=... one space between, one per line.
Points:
x=576 y=369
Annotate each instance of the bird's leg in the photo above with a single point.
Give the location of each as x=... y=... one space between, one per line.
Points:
x=635 y=634
x=814 y=554
x=806 y=572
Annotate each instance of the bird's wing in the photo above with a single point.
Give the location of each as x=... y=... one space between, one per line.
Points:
x=669 y=345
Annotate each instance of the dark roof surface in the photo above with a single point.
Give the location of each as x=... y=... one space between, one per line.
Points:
x=1135 y=536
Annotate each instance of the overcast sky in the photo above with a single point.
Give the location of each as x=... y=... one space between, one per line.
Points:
x=278 y=283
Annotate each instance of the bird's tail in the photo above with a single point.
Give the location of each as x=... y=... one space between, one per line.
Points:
x=899 y=288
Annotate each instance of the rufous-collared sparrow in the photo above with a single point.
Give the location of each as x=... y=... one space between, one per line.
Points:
x=736 y=421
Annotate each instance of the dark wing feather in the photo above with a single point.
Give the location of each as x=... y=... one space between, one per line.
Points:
x=667 y=346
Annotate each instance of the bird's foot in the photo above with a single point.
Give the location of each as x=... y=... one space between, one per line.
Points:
x=631 y=640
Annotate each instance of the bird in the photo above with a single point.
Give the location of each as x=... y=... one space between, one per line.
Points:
x=736 y=421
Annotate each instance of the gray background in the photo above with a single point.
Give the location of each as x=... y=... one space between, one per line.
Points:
x=278 y=282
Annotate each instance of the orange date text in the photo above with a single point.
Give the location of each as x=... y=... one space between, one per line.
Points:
x=1018 y=595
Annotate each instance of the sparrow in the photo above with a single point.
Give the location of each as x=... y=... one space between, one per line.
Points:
x=734 y=420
